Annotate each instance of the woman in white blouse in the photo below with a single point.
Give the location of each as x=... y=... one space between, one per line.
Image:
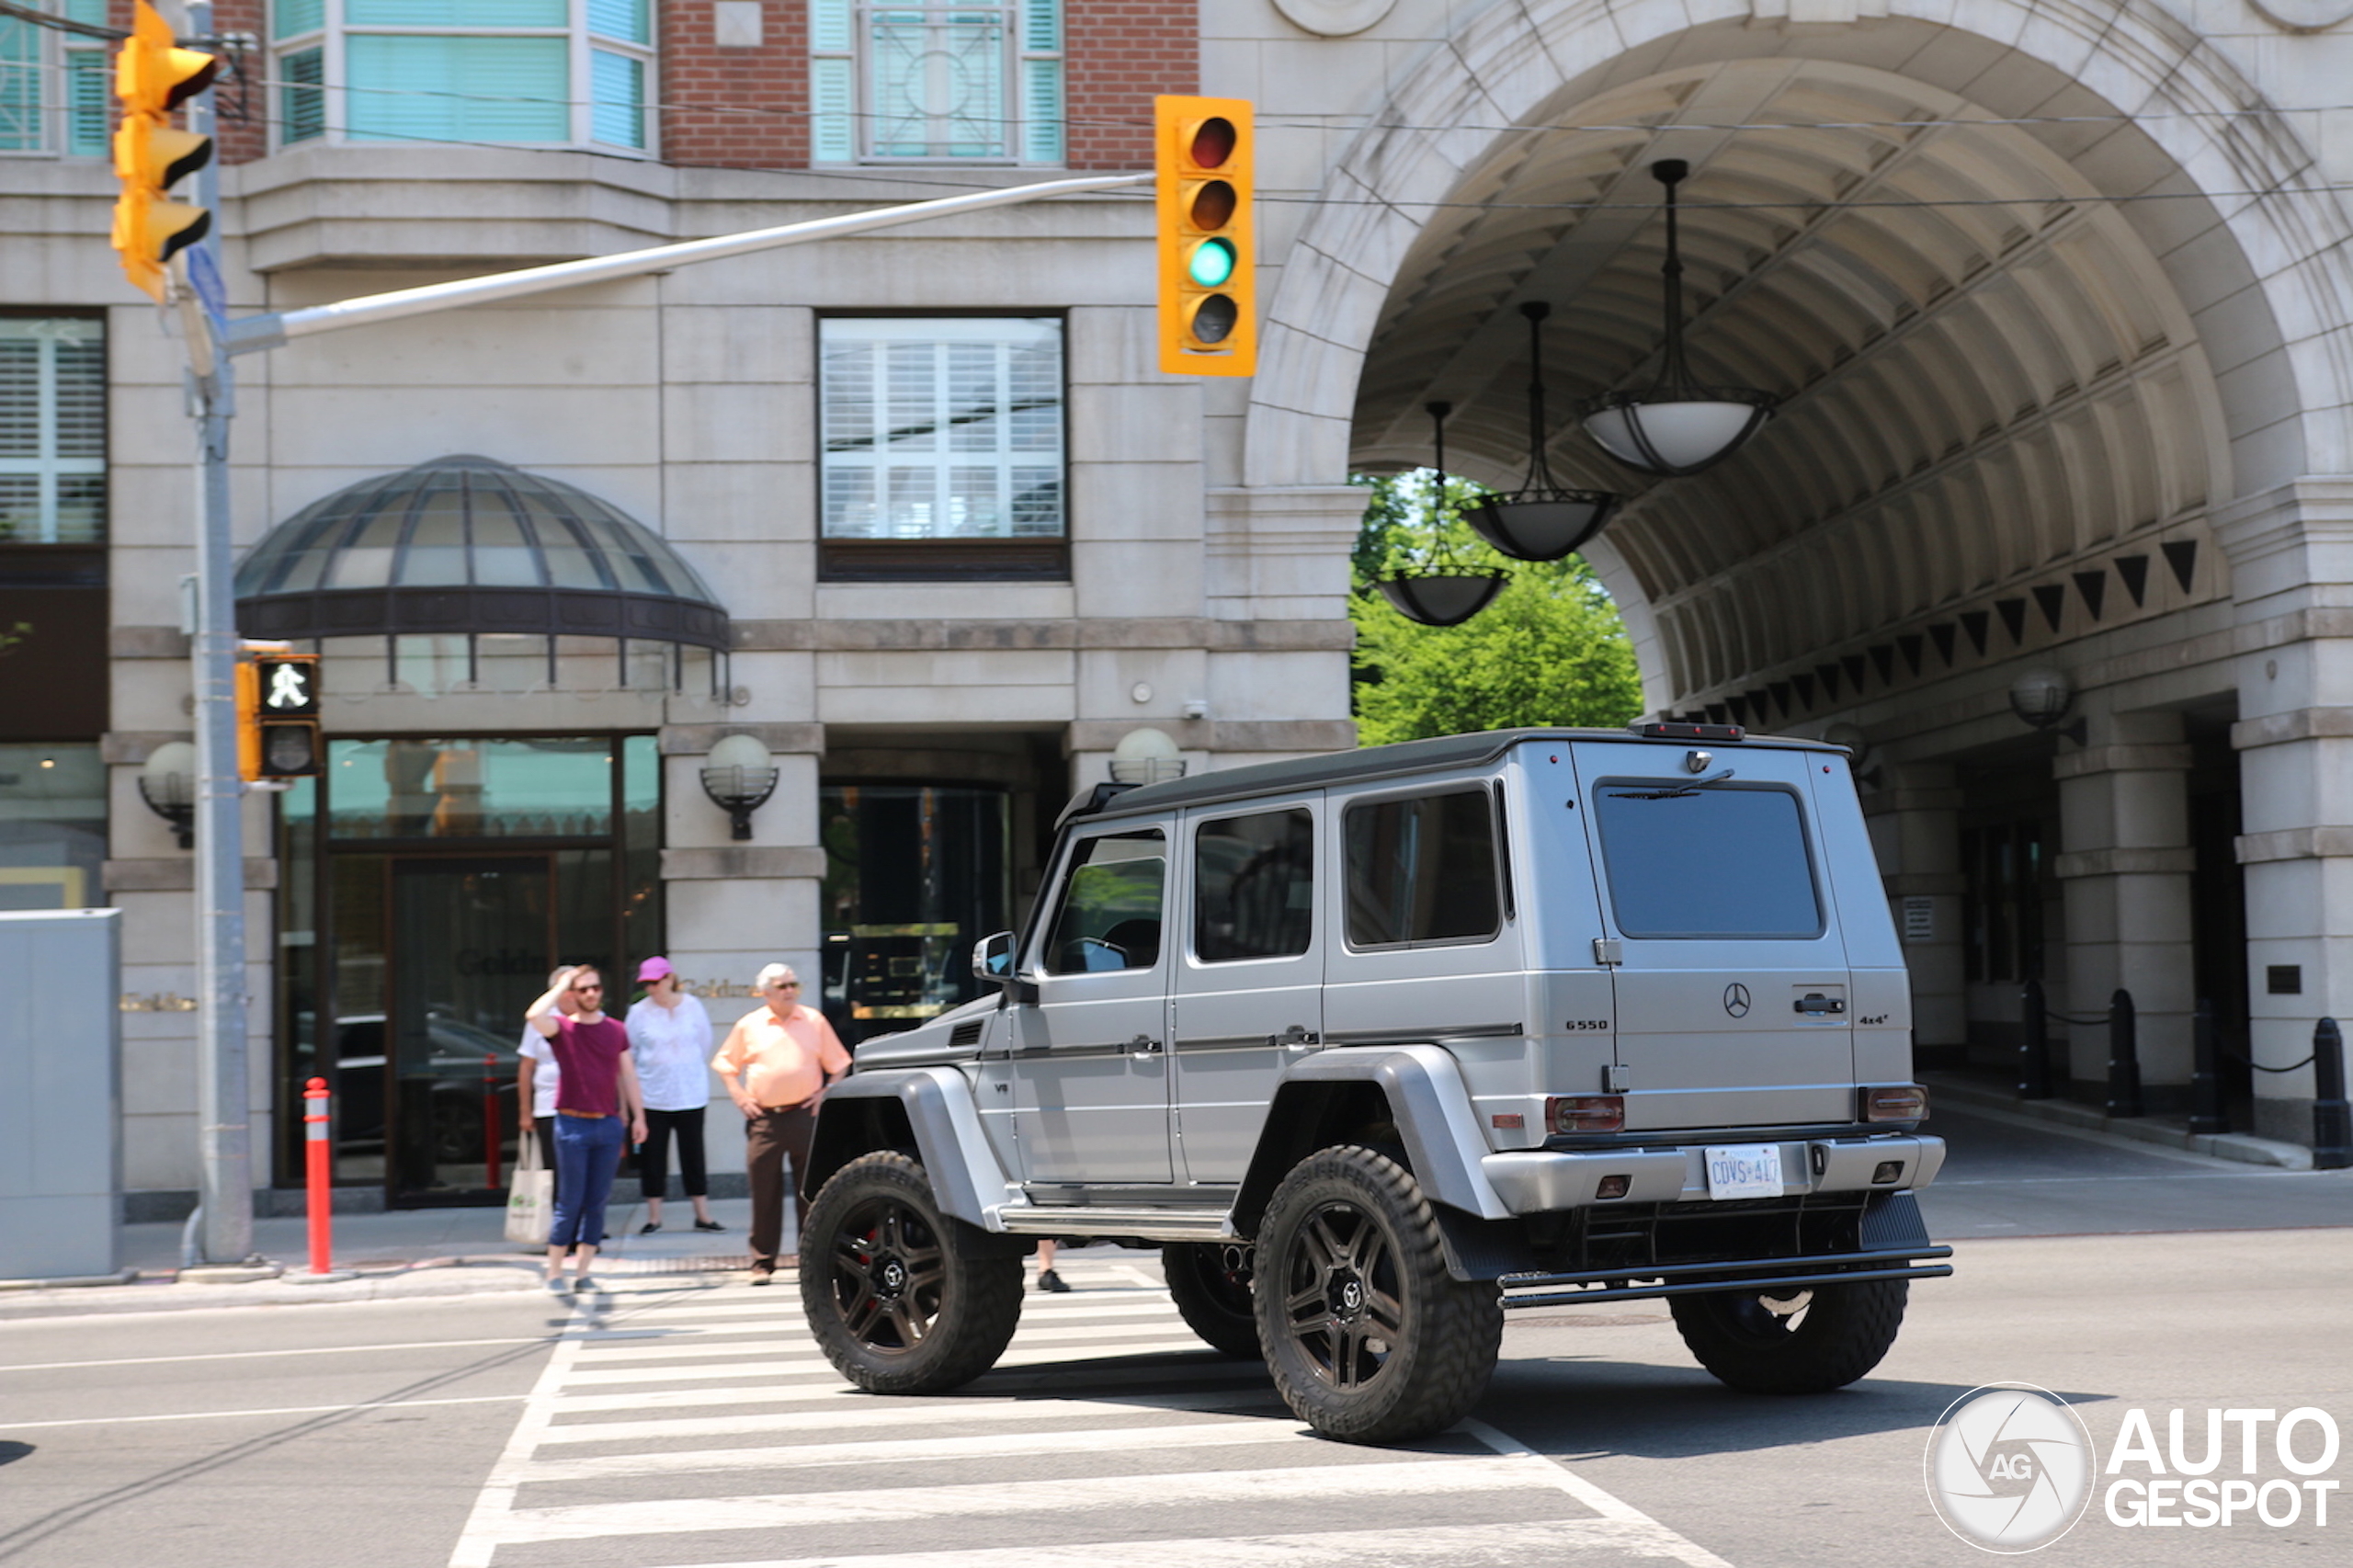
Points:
x=669 y=1036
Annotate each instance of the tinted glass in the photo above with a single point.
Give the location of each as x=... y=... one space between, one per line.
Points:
x=1716 y=863
x=1255 y=886
x=1111 y=901
x=1422 y=869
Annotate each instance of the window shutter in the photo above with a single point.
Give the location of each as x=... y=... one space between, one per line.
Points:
x=19 y=86
x=52 y=431
x=292 y=18
x=1041 y=111
x=89 y=81
x=423 y=88
x=1042 y=26
x=623 y=20
x=302 y=99
x=832 y=107
x=482 y=14
x=618 y=115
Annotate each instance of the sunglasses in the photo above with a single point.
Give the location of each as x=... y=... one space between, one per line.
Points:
x=784 y=985
x=589 y=988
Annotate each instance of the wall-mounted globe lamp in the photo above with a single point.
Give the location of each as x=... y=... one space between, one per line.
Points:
x=1680 y=426
x=1145 y=756
x=168 y=783
x=1441 y=591
x=2040 y=699
x=739 y=776
x=1540 y=520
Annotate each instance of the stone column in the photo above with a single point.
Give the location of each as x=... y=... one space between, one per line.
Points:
x=2291 y=557
x=735 y=905
x=2124 y=829
x=1915 y=821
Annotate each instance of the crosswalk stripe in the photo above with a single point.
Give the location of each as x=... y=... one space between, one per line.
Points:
x=1326 y=1483
x=1094 y=1304
x=921 y=1450
x=802 y=1347
x=663 y=1399
x=1465 y=1546
x=893 y=1413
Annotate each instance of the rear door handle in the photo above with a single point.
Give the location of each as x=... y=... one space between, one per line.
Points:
x=1299 y=1037
x=1144 y=1045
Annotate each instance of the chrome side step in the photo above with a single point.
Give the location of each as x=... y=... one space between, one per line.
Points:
x=1092 y=1219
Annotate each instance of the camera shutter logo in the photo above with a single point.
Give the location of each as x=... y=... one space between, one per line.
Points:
x=1737 y=1000
x=2009 y=1468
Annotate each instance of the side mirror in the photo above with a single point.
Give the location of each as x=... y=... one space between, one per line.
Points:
x=993 y=957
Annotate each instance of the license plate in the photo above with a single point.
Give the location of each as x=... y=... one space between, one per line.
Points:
x=1744 y=1170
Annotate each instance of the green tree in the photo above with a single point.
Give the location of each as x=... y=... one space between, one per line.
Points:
x=1550 y=649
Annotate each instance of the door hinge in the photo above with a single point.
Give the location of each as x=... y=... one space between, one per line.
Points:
x=1614 y=1077
x=1608 y=951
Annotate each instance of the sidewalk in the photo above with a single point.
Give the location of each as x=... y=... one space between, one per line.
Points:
x=402 y=1253
x=1985 y=1091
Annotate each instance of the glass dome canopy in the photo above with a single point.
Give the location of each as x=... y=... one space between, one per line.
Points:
x=467 y=544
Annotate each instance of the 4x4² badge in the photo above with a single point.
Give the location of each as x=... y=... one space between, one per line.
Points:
x=1737 y=999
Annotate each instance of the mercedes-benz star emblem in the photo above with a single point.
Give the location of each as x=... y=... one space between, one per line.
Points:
x=1737 y=1000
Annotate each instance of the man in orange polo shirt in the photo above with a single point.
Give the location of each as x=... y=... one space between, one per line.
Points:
x=778 y=1062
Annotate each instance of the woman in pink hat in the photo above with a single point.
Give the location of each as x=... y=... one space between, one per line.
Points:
x=669 y=1034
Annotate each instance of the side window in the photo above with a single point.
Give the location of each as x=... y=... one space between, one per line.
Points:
x=1109 y=917
x=1255 y=886
x=1422 y=869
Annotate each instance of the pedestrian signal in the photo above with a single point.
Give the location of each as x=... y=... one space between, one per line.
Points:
x=1204 y=152
x=153 y=76
x=278 y=715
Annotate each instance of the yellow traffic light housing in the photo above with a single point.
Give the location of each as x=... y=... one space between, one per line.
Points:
x=153 y=76
x=277 y=717
x=1204 y=151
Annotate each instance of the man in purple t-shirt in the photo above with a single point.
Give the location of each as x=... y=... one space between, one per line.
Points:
x=595 y=1092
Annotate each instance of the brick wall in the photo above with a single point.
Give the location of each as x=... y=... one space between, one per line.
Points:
x=735 y=108
x=1121 y=53
x=239 y=140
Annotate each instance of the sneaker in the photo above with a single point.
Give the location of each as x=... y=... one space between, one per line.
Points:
x=708 y=1225
x=1050 y=1281
x=649 y=1227
x=585 y=1285
x=556 y=1287
x=763 y=1271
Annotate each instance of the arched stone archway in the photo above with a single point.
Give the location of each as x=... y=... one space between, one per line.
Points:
x=2062 y=319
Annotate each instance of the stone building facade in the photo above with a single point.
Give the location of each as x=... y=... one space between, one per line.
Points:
x=2054 y=295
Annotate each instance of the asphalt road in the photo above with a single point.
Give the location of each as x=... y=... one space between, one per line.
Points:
x=688 y=1421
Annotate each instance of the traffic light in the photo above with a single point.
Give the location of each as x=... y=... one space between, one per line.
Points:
x=153 y=76
x=278 y=715
x=1208 y=292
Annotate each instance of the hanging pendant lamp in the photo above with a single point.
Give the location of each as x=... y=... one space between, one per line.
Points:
x=1539 y=521
x=1447 y=593
x=1680 y=426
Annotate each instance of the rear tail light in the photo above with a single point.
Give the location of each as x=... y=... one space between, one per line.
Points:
x=1895 y=1102
x=1585 y=1113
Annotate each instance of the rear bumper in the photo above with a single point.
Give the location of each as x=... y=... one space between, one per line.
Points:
x=1539 y=1289
x=1539 y=1181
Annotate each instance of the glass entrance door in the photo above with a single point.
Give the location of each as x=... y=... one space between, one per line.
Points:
x=473 y=942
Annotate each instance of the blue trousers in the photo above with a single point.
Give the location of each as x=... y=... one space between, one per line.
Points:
x=587 y=1154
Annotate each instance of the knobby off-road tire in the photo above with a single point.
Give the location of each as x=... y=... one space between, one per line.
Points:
x=1798 y=1342
x=1367 y=1337
x=1209 y=1283
x=898 y=1299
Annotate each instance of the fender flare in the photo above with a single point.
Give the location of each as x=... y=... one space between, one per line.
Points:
x=935 y=1114
x=1427 y=1100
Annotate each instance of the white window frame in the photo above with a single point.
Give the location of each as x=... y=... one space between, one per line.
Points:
x=57 y=55
x=842 y=63
x=330 y=37
x=45 y=464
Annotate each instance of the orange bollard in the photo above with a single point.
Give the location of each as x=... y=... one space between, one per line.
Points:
x=315 y=1152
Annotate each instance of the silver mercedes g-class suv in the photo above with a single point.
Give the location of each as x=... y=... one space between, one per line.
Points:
x=1379 y=1045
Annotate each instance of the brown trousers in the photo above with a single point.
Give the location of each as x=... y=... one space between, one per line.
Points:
x=768 y=1139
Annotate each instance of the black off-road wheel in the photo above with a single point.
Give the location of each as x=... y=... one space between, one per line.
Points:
x=1793 y=1341
x=1367 y=1337
x=1209 y=1283
x=899 y=1299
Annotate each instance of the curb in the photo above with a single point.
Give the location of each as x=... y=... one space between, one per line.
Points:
x=2241 y=1148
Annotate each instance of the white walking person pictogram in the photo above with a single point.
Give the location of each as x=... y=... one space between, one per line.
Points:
x=288 y=688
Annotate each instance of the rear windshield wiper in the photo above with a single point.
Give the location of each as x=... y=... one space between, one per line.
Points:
x=1674 y=793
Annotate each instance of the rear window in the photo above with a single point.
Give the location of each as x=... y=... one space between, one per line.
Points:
x=1722 y=861
x=1422 y=869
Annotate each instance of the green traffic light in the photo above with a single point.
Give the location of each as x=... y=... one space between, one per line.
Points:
x=1211 y=262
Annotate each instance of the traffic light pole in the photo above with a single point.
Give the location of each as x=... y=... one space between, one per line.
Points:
x=225 y=1183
